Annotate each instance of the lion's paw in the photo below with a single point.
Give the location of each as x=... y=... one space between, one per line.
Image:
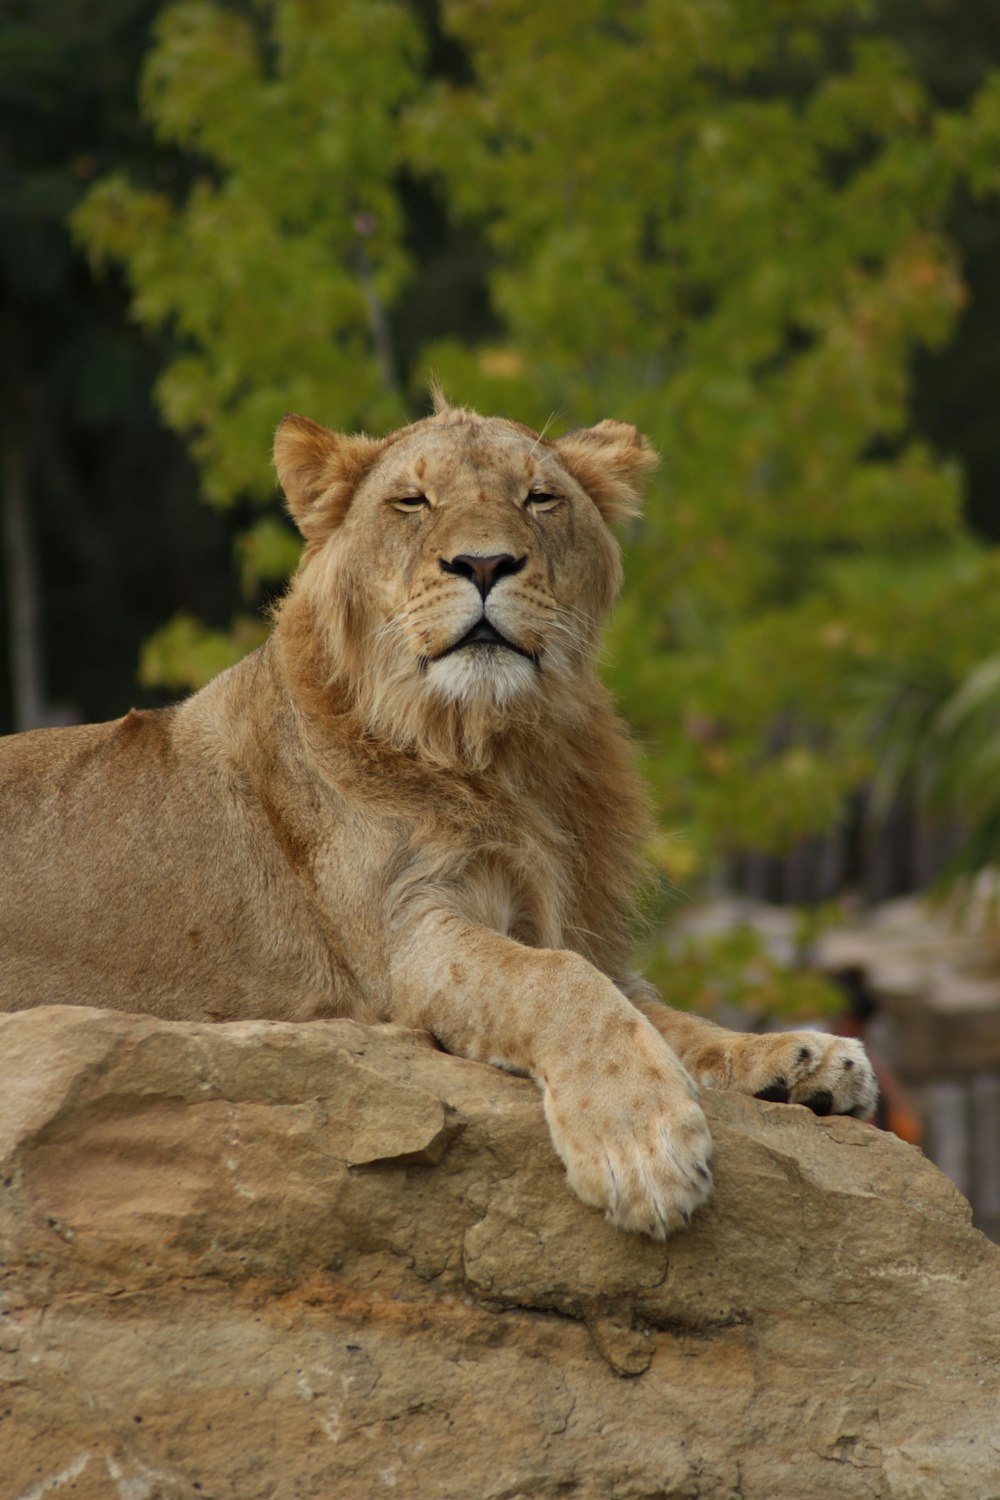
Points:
x=830 y=1075
x=637 y=1146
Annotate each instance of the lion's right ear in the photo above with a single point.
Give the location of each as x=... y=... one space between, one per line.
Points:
x=611 y=462
x=319 y=471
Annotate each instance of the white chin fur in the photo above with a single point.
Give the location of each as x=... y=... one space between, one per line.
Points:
x=482 y=674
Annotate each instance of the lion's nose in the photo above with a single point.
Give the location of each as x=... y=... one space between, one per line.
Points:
x=484 y=572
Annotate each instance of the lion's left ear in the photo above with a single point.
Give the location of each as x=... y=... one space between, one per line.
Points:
x=611 y=462
x=319 y=471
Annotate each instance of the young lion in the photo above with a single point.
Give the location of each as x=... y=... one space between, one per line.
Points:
x=414 y=803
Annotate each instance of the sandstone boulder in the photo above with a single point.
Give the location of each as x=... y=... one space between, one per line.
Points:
x=266 y=1260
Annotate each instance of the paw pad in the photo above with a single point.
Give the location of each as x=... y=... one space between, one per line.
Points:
x=776 y=1093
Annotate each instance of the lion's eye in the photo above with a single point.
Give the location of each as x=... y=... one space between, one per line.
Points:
x=409 y=503
x=541 y=500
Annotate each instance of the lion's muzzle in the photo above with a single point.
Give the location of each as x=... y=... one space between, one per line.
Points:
x=484 y=572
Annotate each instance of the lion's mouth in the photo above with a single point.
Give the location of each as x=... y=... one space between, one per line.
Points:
x=485 y=634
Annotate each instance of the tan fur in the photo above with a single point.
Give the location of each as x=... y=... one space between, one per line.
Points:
x=360 y=820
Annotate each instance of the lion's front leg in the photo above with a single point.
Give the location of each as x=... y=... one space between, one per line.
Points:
x=828 y=1074
x=622 y=1111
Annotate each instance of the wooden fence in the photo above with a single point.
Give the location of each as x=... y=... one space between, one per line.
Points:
x=962 y=1118
x=936 y=988
x=943 y=1031
x=874 y=857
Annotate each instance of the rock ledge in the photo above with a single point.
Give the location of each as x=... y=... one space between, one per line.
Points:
x=277 y=1262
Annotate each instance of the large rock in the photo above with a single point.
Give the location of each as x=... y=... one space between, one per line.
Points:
x=279 y=1261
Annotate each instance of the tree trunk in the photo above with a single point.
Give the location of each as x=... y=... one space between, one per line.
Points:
x=21 y=576
x=378 y=322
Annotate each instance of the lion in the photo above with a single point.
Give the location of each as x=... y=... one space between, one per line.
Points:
x=413 y=804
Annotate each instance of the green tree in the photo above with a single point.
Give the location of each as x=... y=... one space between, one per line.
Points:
x=725 y=223
x=274 y=270
x=728 y=223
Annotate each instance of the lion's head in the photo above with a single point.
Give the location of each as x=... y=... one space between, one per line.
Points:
x=458 y=570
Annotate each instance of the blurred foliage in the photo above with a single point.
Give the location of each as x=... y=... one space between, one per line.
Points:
x=274 y=267
x=184 y=653
x=267 y=551
x=727 y=223
x=734 y=972
x=941 y=743
x=737 y=225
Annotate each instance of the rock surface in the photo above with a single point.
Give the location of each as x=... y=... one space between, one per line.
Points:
x=265 y=1260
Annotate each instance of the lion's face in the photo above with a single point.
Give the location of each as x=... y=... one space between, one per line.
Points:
x=492 y=568
x=463 y=561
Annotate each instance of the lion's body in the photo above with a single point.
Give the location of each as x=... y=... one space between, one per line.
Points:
x=219 y=870
x=414 y=803
x=177 y=898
